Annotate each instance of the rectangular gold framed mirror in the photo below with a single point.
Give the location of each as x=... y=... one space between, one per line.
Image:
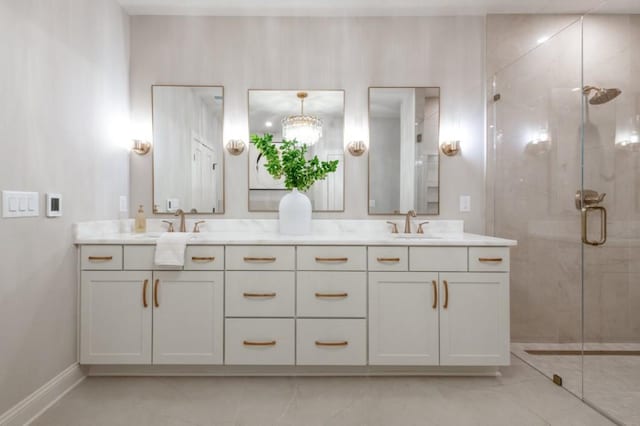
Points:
x=404 y=154
x=188 y=156
x=267 y=110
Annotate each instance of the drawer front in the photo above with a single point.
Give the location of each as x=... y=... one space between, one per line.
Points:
x=332 y=294
x=101 y=258
x=204 y=258
x=260 y=258
x=388 y=258
x=332 y=258
x=142 y=258
x=443 y=259
x=260 y=294
x=331 y=342
x=487 y=259
x=259 y=341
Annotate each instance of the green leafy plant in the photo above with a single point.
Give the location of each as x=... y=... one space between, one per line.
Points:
x=289 y=161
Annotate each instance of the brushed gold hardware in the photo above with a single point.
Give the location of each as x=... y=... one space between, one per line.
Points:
x=331 y=295
x=155 y=293
x=259 y=294
x=357 y=148
x=253 y=343
x=557 y=380
x=588 y=197
x=450 y=148
x=170 y=229
x=407 y=221
x=341 y=343
x=331 y=259
x=141 y=147
x=235 y=146
x=183 y=226
x=434 y=283
x=394 y=227
x=203 y=259
x=196 y=226
x=388 y=259
x=489 y=259
x=446 y=294
x=420 y=229
x=144 y=293
x=603 y=225
x=259 y=259
x=100 y=258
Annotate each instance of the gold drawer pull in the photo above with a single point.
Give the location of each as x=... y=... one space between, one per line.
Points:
x=435 y=294
x=155 y=293
x=203 y=259
x=144 y=293
x=259 y=294
x=331 y=295
x=259 y=259
x=100 y=258
x=252 y=343
x=489 y=259
x=332 y=259
x=341 y=343
x=388 y=259
x=446 y=294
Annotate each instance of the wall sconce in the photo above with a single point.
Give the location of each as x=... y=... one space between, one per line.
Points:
x=540 y=145
x=450 y=148
x=631 y=144
x=235 y=146
x=357 y=148
x=141 y=147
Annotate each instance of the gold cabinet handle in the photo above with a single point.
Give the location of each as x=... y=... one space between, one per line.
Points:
x=388 y=259
x=331 y=295
x=144 y=293
x=435 y=294
x=254 y=343
x=446 y=294
x=340 y=343
x=331 y=259
x=155 y=293
x=203 y=259
x=603 y=225
x=100 y=258
x=489 y=259
x=259 y=294
x=260 y=259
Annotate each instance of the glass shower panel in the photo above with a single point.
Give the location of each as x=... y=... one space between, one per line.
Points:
x=536 y=169
x=612 y=167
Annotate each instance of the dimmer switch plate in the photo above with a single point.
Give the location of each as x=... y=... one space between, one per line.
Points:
x=20 y=204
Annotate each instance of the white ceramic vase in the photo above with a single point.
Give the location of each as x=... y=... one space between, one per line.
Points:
x=294 y=214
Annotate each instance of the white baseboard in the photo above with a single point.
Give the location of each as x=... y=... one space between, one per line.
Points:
x=27 y=410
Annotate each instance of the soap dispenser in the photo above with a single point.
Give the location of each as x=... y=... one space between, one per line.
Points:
x=141 y=221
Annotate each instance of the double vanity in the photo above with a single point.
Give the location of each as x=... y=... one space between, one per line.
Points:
x=352 y=298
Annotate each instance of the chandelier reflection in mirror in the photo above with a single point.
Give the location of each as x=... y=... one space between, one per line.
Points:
x=306 y=129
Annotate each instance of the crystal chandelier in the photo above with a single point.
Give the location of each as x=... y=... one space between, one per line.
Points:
x=306 y=129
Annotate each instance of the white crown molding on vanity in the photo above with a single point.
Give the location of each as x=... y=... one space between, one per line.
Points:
x=250 y=301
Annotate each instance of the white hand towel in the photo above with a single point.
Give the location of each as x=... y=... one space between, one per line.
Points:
x=170 y=248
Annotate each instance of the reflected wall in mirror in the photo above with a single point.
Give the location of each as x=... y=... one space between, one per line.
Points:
x=404 y=160
x=267 y=110
x=188 y=157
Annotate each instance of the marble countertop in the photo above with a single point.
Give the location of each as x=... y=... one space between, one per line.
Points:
x=325 y=232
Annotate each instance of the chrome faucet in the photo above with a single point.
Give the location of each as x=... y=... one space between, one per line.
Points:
x=407 y=221
x=183 y=226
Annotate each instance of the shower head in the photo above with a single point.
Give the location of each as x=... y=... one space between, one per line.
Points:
x=602 y=96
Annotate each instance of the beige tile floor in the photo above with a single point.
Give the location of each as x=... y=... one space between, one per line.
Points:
x=521 y=396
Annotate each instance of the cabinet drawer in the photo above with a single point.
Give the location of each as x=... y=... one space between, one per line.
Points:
x=438 y=259
x=101 y=257
x=332 y=258
x=260 y=258
x=332 y=294
x=259 y=341
x=204 y=258
x=483 y=259
x=331 y=342
x=388 y=258
x=260 y=294
x=142 y=258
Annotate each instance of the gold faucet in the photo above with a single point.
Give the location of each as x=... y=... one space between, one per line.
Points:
x=183 y=226
x=407 y=221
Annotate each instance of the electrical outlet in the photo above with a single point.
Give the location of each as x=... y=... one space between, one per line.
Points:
x=465 y=203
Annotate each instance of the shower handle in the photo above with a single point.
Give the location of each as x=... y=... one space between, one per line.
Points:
x=585 y=225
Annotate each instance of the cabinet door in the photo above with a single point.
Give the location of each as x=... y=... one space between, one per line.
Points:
x=187 y=317
x=403 y=318
x=474 y=321
x=115 y=325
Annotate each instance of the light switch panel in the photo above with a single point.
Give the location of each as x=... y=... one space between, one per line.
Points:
x=20 y=204
x=465 y=203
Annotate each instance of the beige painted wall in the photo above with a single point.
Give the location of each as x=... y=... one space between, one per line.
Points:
x=63 y=109
x=320 y=53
